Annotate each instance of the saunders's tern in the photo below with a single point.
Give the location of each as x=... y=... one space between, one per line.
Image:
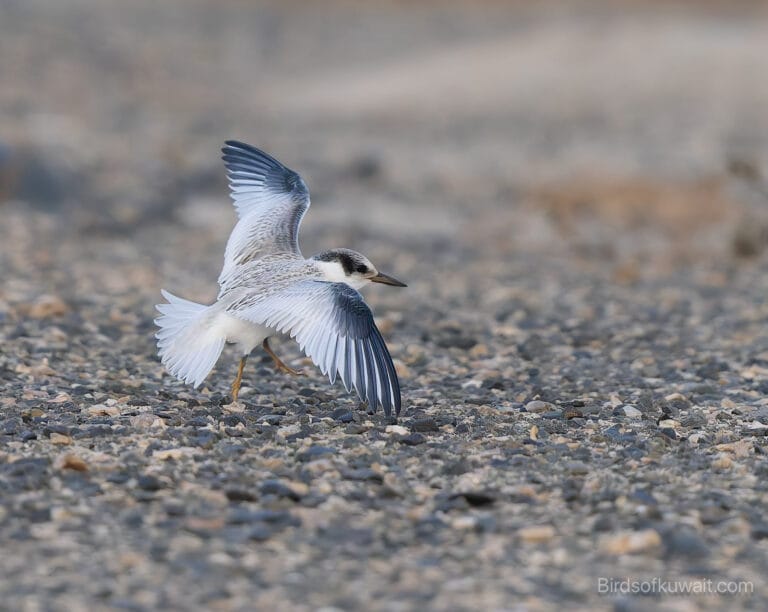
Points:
x=267 y=288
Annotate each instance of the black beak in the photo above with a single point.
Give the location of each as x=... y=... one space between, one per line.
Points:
x=387 y=280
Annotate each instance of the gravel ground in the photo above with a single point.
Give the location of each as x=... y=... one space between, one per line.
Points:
x=582 y=347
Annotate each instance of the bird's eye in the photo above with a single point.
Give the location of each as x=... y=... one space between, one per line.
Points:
x=361 y=269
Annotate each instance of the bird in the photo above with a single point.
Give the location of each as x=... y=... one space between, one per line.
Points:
x=267 y=288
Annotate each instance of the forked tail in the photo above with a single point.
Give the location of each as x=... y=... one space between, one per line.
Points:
x=187 y=344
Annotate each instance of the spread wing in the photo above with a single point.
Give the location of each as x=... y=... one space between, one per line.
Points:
x=335 y=328
x=271 y=201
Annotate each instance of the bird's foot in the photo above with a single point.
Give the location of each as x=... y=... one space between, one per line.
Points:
x=287 y=369
x=279 y=362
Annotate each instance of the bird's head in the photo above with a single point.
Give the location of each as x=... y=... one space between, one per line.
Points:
x=352 y=268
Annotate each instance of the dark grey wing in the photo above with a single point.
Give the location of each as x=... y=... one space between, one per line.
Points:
x=271 y=201
x=335 y=328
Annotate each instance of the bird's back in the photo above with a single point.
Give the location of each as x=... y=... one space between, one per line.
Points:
x=270 y=274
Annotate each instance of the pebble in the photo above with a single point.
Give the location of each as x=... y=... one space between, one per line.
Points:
x=424 y=424
x=684 y=543
x=62 y=439
x=240 y=495
x=280 y=489
x=46 y=307
x=403 y=371
x=577 y=467
x=203 y=526
x=465 y=523
x=289 y=430
x=363 y=474
x=356 y=428
x=103 y=410
x=669 y=433
x=147 y=421
x=260 y=532
x=148 y=482
x=631 y=412
x=453 y=338
x=722 y=462
x=175 y=453
x=398 y=430
x=631 y=542
x=537 y=406
x=413 y=439
x=759 y=531
x=669 y=424
x=315 y=452
x=72 y=462
x=476 y=498
x=274 y=419
x=536 y=534
x=343 y=415
x=240 y=515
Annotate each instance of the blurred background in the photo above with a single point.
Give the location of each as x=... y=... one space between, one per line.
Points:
x=628 y=138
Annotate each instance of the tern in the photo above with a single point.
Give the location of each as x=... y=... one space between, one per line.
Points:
x=267 y=288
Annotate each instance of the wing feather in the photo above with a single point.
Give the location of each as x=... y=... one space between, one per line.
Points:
x=335 y=328
x=330 y=358
x=271 y=201
x=372 y=380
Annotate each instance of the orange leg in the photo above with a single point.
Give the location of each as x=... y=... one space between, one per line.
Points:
x=238 y=379
x=278 y=362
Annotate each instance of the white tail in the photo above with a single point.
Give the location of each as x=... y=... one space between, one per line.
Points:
x=188 y=345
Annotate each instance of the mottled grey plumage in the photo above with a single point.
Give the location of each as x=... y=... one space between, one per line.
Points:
x=267 y=287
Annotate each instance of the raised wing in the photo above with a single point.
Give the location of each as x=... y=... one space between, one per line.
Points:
x=271 y=201
x=335 y=328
